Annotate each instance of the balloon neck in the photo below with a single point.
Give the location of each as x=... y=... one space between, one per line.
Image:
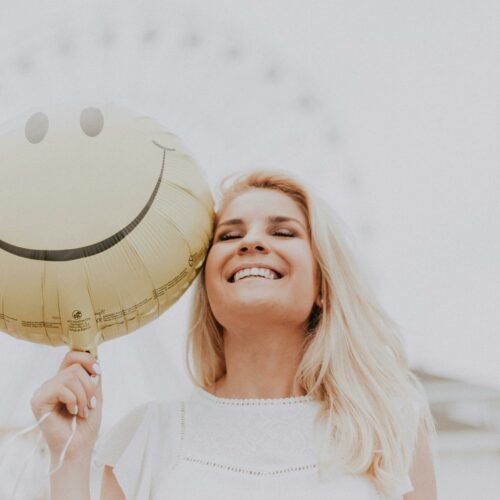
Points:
x=85 y=342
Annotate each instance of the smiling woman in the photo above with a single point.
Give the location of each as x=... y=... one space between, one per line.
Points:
x=303 y=388
x=316 y=331
x=261 y=231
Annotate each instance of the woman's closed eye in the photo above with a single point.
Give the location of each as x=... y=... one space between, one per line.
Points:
x=236 y=234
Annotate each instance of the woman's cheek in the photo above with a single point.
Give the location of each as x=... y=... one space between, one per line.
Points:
x=211 y=264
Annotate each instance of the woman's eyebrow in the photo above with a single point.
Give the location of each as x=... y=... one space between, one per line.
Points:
x=230 y=222
x=284 y=218
x=272 y=218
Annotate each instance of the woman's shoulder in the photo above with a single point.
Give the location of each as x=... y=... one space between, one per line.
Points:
x=145 y=436
x=145 y=422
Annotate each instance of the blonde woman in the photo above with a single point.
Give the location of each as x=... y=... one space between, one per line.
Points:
x=302 y=384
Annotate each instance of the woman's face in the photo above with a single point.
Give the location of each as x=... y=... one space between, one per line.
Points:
x=261 y=266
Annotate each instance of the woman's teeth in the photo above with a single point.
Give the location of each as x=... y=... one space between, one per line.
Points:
x=255 y=271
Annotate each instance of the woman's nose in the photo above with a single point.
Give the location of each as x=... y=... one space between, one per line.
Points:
x=248 y=245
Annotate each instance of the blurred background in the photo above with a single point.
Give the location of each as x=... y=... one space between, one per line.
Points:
x=390 y=109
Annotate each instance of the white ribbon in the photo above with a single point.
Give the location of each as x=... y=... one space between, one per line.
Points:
x=28 y=429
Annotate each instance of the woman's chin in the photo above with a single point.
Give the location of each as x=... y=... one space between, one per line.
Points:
x=251 y=307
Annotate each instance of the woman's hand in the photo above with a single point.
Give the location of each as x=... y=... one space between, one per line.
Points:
x=73 y=390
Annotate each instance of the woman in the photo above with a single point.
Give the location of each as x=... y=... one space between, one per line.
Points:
x=302 y=385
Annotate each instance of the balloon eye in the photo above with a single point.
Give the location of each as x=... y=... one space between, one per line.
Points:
x=92 y=121
x=36 y=128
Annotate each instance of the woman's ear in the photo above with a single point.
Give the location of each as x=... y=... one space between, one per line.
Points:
x=319 y=301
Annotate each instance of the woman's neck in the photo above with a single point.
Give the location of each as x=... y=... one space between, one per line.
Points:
x=261 y=364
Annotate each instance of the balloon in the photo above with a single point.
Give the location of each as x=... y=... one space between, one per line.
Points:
x=105 y=221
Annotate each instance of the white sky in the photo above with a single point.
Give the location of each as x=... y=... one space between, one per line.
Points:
x=391 y=108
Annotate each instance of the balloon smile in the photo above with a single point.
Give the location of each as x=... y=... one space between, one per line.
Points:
x=95 y=248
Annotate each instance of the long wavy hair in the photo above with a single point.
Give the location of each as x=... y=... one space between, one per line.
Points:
x=354 y=361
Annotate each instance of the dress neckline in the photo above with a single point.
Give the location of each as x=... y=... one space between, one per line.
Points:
x=208 y=396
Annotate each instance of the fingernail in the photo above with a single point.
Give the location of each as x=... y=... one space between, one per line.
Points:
x=95 y=379
x=75 y=411
x=97 y=368
x=93 y=402
x=85 y=412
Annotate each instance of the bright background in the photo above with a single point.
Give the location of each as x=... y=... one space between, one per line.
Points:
x=391 y=109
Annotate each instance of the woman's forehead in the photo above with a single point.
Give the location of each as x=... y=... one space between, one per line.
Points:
x=260 y=203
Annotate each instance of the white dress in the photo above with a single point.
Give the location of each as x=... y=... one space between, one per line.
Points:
x=209 y=448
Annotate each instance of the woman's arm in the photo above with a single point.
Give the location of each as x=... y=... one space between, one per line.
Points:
x=422 y=473
x=110 y=489
x=72 y=480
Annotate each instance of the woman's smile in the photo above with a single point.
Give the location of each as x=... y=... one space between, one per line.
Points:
x=252 y=270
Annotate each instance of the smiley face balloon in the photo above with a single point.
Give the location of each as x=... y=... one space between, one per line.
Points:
x=105 y=220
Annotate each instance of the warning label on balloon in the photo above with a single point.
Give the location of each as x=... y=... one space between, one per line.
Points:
x=100 y=317
x=158 y=292
x=40 y=324
x=78 y=324
x=31 y=324
x=7 y=318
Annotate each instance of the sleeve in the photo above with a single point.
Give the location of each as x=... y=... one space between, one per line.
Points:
x=127 y=447
x=405 y=486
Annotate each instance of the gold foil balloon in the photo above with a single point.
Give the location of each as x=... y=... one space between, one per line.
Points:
x=105 y=220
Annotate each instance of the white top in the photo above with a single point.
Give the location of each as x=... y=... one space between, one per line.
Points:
x=210 y=447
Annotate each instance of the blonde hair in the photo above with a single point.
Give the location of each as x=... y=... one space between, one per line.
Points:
x=354 y=361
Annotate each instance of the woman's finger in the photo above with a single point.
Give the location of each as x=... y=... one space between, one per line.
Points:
x=74 y=384
x=85 y=359
x=68 y=398
x=90 y=384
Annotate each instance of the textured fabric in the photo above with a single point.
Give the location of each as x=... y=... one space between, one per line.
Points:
x=216 y=448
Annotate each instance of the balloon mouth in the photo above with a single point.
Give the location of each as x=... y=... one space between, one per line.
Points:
x=95 y=248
